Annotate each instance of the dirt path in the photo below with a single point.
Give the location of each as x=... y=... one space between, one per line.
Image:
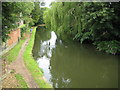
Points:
x=19 y=66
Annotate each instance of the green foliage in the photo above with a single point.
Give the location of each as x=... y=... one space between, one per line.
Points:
x=21 y=81
x=12 y=71
x=12 y=13
x=11 y=55
x=36 y=12
x=112 y=47
x=23 y=30
x=85 y=21
x=32 y=64
x=41 y=21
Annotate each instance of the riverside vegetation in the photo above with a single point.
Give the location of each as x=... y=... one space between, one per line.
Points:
x=95 y=22
x=32 y=64
x=31 y=14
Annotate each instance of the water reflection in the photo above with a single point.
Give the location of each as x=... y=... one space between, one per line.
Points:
x=71 y=65
x=46 y=53
x=47 y=46
x=82 y=67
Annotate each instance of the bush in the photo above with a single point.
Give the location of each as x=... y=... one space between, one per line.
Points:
x=112 y=47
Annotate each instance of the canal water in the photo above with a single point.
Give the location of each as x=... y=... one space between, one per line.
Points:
x=72 y=65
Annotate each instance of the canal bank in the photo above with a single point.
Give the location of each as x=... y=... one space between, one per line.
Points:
x=32 y=65
x=73 y=65
x=10 y=78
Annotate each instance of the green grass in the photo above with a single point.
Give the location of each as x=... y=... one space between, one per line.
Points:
x=21 y=81
x=32 y=64
x=13 y=53
x=28 y=30
x=21 y=26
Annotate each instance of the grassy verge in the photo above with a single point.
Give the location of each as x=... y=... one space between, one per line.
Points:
x=32 y=64
x=13 y=53
x=21 y=26
x=11 y=56
x=21 y=81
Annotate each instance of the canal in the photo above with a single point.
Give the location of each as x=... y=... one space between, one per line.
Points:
x=72 y=65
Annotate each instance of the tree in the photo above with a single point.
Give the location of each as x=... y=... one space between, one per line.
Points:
x=36 y=12
x=11 y=15
x=97 y=22
x=41 y=21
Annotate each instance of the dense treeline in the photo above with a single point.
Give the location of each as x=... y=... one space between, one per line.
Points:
x=14 y=12
x=96 y=22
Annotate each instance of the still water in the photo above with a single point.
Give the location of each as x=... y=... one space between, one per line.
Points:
x=72 y=65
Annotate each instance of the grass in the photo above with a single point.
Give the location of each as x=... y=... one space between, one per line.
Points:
x=13 y=53
x=21 y=81
x=21 y=26
x=32 y=65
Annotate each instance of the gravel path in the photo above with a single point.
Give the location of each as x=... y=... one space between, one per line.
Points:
x=19 y=66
